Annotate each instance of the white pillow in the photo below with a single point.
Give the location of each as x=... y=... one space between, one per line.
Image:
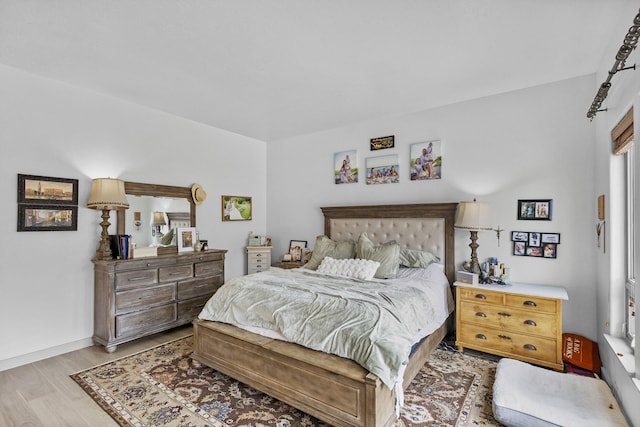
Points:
x=363 y=269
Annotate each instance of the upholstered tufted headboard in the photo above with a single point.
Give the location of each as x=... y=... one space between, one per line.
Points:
x=427 y=227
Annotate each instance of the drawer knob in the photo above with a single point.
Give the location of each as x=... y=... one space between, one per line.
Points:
x=504 y=337
x=530 y=347
x=530 y=323
x=481 y=314
x=502 y=313
x=481 y=336
x=480 y=296
x=530 y=303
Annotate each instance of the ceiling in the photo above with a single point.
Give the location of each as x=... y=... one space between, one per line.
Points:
x=274 y=69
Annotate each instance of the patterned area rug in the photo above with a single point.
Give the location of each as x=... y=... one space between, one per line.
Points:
x=163 y=386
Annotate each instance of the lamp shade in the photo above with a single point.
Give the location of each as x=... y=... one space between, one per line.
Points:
x=473 y=216
x=157 y=218
x=107 y=194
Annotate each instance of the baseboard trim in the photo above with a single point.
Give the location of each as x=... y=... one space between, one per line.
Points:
x=46 y=353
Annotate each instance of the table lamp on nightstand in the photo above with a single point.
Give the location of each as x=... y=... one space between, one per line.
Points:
x=473 y=216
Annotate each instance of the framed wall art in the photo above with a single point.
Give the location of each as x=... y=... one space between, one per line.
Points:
x=382 y=142
x=535 y=209
x=36 y=217
x=345 y=167
x=383 y=169
x=426 y=160
x=47 y=190
x=186 y=239
x=535 y=244
x=236 y=208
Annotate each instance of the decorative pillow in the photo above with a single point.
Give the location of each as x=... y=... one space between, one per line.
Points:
x=324 y=246
x=168 y=238
x=417 y=259
x=387 y=254
x=363 y=269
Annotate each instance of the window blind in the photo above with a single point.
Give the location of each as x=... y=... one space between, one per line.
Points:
x=622 y=134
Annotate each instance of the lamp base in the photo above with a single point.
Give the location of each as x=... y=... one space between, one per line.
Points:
x=474 y=266
x=104 y=250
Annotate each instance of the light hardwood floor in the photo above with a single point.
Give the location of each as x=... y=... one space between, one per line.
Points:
x=43 y=394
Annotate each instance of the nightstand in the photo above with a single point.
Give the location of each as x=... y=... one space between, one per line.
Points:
x=288 y=264
x=258 y=258
x=519 y=321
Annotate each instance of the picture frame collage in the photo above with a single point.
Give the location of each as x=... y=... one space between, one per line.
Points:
x=47 y=203
x=535 y=244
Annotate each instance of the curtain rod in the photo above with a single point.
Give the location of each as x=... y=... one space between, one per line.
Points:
x=628 y=45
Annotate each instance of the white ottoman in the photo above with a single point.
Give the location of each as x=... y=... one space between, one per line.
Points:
x=525 y=395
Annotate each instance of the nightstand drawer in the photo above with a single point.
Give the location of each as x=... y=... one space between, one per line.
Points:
x=507 y=318
x=531 y=303
x=508 y=343
x=481 y=295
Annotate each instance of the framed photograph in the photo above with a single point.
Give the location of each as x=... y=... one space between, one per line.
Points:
x=295 y=249
x=519 y=248
x=236 y=208
x=519 y=236
x=186 y=239
x=426 y=160
x=383 y=169
x=382 y=142
x=534 y=239
x=47 y=217
x=42 y=190
x=550 y=238
x=345 y=167
x=534 y=251
x=534 y=209
x=549 y=250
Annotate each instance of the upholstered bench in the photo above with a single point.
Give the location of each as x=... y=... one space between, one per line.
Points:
x=526 y=395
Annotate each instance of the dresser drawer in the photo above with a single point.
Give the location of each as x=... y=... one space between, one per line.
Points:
x=209 y=268
x=508 y=343
x=508 y=318
x=130 y=324
x=136 y=278
x=189 y=309
x=199 y=287
x=142 y=298
x=177 y=272
x=481 y=295
x=531 y=303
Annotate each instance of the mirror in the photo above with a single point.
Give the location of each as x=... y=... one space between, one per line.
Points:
x=175 y=203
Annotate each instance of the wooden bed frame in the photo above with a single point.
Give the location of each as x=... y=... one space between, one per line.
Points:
x=334 y=389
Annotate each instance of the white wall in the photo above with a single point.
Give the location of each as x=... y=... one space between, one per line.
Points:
x=533 y=143
x=51 y=129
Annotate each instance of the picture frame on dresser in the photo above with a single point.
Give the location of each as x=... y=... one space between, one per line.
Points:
x=186 y=239
x=295 y=249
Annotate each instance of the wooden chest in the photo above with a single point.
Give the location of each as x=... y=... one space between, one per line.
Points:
x=519 y=321
x=138 y=297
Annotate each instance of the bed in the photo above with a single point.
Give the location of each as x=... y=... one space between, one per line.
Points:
x=334 y=389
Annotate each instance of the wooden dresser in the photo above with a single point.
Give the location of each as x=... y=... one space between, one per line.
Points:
x=142 y=296
x=519 y=321
x=258 y=259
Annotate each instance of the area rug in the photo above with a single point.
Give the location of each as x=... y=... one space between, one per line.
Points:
x=163 y=386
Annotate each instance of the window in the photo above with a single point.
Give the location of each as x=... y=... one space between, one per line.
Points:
x=622 y=136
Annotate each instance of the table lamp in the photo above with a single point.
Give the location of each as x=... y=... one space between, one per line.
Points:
x=473 y=216
x=106 y=194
